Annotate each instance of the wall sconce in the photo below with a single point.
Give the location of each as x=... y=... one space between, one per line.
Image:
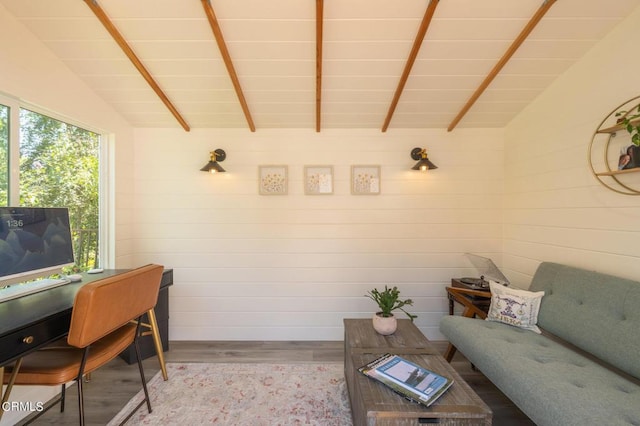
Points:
x=212 y=166
x=423 y=163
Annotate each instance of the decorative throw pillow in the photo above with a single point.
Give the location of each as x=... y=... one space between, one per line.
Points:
x=514 y=307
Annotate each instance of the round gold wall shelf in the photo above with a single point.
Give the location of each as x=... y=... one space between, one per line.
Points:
x=613 y=141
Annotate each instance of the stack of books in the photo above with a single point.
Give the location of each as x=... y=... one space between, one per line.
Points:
x=409 y=380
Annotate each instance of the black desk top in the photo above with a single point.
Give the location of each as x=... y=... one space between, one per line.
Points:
x=28 y=309
x=53 y=304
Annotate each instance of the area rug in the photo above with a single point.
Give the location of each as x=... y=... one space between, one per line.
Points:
x=244 y=394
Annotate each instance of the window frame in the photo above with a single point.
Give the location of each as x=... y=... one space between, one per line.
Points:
x=105 y=229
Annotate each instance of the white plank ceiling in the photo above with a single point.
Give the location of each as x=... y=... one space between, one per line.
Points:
x=365 y=46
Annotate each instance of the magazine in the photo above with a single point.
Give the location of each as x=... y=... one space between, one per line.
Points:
x=407 y=379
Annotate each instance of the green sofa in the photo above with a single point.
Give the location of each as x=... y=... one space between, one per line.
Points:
x=584 y=369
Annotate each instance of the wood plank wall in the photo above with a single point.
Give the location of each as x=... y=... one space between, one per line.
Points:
x=555 y=209
x=290 y=267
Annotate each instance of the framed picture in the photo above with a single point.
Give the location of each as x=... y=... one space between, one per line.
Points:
x=365 y=180
x=318 y=180
x=273 y=180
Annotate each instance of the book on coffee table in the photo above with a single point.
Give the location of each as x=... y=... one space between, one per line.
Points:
x=410 y=380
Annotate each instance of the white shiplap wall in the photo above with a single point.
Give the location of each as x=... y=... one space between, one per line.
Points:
x=555 y=210
x=292 y=267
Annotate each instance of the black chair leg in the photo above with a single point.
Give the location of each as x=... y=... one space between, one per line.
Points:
x=144 y=381
x=144 y=385
x=63 y=393
x=80 y=401
x=79 y=383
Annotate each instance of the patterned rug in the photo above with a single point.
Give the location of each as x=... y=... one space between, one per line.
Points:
x=244 y=394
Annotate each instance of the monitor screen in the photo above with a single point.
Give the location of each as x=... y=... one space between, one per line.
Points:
x=34 y=242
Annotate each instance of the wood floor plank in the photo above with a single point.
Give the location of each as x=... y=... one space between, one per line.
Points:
x=114 y=385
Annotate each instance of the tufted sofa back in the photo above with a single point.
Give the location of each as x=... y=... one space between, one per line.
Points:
x=596 y=312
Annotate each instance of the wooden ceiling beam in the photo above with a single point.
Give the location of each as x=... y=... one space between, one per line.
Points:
x=422 y=31
x=535 y=19
x=319 y=24
x=115 y=34
x=217 y=32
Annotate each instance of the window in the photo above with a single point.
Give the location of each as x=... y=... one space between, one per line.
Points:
x=4 y=157
x=58 y=167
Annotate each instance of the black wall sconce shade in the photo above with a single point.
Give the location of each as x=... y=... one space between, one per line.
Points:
x=212 y=166
x=423 y=163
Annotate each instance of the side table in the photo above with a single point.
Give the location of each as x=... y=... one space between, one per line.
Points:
x=482 y=301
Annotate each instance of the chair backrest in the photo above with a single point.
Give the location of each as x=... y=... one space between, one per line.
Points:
x=103 y=306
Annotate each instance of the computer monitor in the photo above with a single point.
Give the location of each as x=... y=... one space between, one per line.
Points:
x=34 y=242
x=487 y=269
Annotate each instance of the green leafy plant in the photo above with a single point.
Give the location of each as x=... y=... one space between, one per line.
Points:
x=388 y=301
x=631 y=122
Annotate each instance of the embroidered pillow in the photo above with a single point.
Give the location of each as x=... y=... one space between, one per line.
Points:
x=514 y=307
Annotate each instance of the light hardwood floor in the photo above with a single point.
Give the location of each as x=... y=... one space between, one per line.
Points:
x=112 y=386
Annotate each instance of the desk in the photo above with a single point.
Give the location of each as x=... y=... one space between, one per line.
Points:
x=33 y=321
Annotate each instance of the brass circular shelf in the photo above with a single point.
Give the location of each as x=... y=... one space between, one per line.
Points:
x=613 y=177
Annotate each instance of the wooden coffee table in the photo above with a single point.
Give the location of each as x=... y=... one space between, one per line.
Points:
x=372 y=403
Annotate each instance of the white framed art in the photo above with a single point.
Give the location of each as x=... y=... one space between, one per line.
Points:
x=318 y=180
x=365 y=180
x=273 y=180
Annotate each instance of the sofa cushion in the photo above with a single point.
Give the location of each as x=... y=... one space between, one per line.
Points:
x=514 y=306
x=549 y=382
x=596 y=312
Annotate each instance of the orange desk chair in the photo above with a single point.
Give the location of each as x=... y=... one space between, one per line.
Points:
x=105 y=320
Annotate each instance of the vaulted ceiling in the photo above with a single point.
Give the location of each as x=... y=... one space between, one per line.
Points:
x=319 y=64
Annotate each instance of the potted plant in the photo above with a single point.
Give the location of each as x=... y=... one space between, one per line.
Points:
x=388 y=300
x=631 y=122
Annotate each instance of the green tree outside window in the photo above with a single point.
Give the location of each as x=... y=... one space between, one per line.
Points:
x=4 y=157
x=59 y=167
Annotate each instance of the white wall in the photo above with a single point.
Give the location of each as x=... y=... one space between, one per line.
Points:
x=555 y=209
x=292 y=267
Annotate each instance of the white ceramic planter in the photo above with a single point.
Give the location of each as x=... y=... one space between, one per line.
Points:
x=384 y=325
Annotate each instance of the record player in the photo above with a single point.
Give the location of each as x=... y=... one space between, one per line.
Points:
x=475 y=283
x=488 y=270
